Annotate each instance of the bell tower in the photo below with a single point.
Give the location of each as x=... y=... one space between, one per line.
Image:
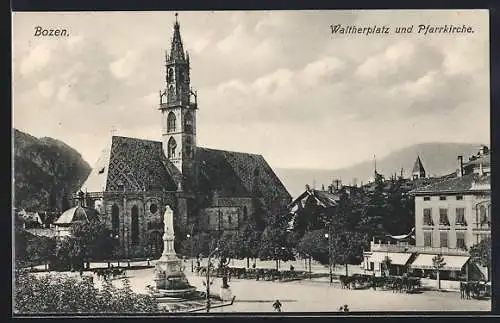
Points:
x=178 y=110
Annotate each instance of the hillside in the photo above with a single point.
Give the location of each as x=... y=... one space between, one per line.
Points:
x=44 y=170
x=438 y=159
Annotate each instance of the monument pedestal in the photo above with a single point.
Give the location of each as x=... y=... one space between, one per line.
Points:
x=170 y=280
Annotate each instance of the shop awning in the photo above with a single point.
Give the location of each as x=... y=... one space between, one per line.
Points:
x=396 y=258
x=424 y=261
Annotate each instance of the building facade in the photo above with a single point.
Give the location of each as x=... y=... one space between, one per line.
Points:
x=451 y=215
x=134 y=179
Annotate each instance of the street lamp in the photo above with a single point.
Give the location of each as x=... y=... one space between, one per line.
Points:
x=208 y=277
x=329 y=237
x=191 y=252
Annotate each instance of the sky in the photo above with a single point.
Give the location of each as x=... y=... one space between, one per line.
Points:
x=276 y=83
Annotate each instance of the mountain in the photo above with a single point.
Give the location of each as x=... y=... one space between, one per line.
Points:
x=437 y=158
x=45 y=169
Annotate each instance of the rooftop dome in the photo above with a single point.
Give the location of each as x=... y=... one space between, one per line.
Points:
x=77 y=214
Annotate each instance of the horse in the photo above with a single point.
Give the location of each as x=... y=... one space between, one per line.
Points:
x=345 y=282
x=462 y=290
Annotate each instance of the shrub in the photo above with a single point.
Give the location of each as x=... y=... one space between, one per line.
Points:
x=56 y=293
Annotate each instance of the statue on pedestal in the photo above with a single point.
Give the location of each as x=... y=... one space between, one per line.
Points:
x=170 y=278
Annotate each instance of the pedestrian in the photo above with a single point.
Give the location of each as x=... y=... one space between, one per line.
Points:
x=277 y=306
x=346 y=308
x=341 y=308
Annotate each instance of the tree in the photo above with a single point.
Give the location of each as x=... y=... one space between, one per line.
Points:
x=372 y=220
x=40 y=249
x=95 y=239
x=68 y=254
x=481 y=254
x=246 y=243
x=347 y=247
x=275 y=243
x=438 y=263
x=399 y=208
x=65 y=205
x=314 y=245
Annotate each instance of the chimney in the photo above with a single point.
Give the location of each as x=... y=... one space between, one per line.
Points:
x=308 y=188
x=460 y=170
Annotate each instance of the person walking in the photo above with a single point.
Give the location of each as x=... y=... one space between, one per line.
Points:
x=346 y=308
x=277 y=306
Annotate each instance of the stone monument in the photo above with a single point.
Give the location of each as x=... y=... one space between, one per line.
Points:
x=169 y=272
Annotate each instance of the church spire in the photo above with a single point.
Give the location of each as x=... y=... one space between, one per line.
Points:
x=177 y=50
x=418 y=169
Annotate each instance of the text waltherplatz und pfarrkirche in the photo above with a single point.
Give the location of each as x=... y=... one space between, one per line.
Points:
x=416 y=29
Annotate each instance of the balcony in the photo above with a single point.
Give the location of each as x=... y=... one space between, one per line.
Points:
x=485 y=226
x=412 y=249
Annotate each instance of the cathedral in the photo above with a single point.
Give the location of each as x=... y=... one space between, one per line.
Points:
x=209 y=190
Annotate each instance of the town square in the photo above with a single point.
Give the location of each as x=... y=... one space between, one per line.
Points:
x=232 y=162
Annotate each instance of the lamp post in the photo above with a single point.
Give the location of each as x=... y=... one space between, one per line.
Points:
x=191 y=252
x=329 y=237
x=208 y=277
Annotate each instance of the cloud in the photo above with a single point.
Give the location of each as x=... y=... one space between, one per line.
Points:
x=277 y=79
x=124 y=67
x=36 y=59
x=46 y=88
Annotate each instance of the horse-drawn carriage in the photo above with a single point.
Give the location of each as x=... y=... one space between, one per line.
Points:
x=112 y=272
x=475 y=289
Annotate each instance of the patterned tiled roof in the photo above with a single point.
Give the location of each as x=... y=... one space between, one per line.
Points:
x=236 y=174
x=136 y=164
x=461 y=184
x=141 y=165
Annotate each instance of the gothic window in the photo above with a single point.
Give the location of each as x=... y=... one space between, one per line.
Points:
x=171 y=147
x=134 y=226
x=245 y=213
x=188 y=149
x=153 y=208
x=188 y=123
x=171 y=122
x=115 y=218
x=171 y=94
x=170 y=75
x=182 y=76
